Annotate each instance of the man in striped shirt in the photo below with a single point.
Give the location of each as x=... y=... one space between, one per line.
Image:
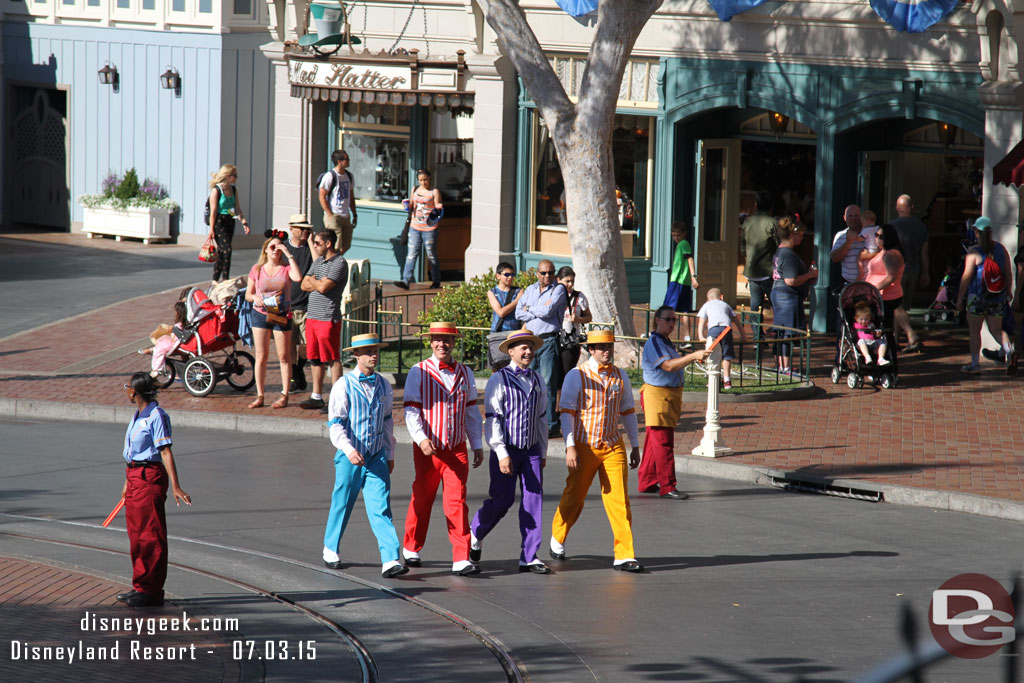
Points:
x=325 y=283
x=516 y=428
x=594 y=396
x=440 y=413
x=362 y=429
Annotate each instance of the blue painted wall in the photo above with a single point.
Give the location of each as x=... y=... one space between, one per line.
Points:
x=178 y=141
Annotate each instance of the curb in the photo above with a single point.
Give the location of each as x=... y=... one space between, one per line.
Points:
x=685 y=464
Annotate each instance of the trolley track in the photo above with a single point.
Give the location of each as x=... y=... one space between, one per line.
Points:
x=368 y=667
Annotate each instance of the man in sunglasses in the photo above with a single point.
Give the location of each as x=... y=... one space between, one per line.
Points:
x=662 y=400
x=541 y=309
x=337 y=201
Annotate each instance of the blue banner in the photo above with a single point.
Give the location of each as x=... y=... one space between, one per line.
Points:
x=912 y=16
x=577 y=8
x=727 y=9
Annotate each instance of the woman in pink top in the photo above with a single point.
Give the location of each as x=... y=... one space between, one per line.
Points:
x=885 y=269
x=423 y=231
x=269 y=290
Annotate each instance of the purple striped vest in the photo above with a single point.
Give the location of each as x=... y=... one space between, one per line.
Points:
x=518 y=423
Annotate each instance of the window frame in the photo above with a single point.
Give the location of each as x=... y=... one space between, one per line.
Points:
x=379 y=130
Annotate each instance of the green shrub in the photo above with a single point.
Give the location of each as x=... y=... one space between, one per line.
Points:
x=128 y=188
x=466 y=305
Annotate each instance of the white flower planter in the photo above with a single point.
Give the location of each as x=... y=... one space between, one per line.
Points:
x=141 y=223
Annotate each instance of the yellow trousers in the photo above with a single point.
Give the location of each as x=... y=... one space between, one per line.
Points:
x=609 y=463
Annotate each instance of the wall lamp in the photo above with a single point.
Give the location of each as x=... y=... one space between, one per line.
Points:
x=108 y=76
x=947 y=133
x=778 y=122
x=171 y=80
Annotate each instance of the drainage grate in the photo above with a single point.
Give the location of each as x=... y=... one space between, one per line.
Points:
x=805 y=486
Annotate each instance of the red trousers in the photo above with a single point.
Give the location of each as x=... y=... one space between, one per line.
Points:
x=147 y=528
x=658 y=466
x=450 y=467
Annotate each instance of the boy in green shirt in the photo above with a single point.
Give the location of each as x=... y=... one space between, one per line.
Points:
x=682 y=279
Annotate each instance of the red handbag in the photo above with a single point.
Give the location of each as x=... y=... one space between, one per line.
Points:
x=208 y=252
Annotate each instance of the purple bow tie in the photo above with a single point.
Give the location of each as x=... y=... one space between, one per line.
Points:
x=520 y=371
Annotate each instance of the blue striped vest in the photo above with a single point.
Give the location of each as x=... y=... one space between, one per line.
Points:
x=518 y=425
x=364 y=422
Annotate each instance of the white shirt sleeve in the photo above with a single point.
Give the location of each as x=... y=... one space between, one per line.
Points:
x=570 y=401
x=337 y=407
x=542 y=418
x=628 y=411
x=494 y=398
x=414 y=406
x=474 y=419
x=389 y=419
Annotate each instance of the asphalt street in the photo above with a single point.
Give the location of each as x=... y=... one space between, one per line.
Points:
x=743 y=583
x=46 y=282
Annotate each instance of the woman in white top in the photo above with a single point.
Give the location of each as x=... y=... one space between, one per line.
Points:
x=577 y=314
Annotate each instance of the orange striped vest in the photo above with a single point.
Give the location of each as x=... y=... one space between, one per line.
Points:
x=597 y=422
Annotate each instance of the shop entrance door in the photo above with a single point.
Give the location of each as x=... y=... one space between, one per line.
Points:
x=880 y=175
x=716 y=227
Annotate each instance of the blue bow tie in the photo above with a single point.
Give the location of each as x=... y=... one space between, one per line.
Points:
x=368 y=378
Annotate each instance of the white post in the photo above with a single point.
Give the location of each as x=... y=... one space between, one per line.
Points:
x=710 y=446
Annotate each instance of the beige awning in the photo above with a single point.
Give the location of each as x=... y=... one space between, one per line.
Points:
x=377 y=97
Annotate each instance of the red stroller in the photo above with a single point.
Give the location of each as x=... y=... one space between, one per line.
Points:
x=207 y=351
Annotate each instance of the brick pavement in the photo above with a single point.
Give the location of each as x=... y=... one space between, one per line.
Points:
x=42 y=606
x=939 y=430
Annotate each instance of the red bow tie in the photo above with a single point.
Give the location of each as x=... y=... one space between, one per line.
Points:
x=446 y=366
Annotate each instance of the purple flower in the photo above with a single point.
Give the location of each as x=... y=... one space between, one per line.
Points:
x=109 y=183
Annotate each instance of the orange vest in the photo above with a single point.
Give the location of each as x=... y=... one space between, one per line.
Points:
x=597 y=421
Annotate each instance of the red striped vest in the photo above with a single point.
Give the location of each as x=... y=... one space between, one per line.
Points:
x=444 y=412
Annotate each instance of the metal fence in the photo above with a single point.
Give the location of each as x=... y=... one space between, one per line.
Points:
x=392 y=318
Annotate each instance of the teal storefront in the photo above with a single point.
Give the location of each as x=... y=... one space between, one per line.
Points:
x=818 y=137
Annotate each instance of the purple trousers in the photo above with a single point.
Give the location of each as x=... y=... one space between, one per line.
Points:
x=526 y=469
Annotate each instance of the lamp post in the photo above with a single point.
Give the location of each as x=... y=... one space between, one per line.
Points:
x=710 y=446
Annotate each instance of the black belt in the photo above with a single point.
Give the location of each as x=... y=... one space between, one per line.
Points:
x=144 y=463
x=547 y=335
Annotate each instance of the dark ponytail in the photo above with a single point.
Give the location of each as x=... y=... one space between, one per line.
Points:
x=142 y=384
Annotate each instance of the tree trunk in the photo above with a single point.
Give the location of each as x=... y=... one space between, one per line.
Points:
x=582 y=134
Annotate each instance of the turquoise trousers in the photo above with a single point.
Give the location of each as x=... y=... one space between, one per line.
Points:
x=374 y=480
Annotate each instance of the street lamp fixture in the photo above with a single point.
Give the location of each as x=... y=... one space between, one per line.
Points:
x=947 y=133
x=778 y=123
x=171 y=80
x=109 y=76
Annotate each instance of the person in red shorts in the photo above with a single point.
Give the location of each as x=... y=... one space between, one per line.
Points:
x=150 y=466
x=325 y=283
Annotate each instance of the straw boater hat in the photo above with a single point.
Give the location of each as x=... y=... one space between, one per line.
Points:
x=365 y=341
x=299 y=220
x=600 y=337
x=518 y=337
x=441 y=328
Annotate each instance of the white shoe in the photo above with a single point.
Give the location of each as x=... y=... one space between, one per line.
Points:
x=330 y=555
x=883 y=361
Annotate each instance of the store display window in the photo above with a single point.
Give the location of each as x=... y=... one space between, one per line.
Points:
x=376 y=137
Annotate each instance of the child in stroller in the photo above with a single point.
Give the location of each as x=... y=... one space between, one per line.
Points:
x=165 y=341
x=944 y=308
x=859 y=365
x=868 y=336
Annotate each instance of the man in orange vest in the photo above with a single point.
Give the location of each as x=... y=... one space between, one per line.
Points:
x=441 y=413
x=594 y=396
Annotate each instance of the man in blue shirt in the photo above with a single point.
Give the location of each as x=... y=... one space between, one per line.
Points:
x=541 y=309
x=662 y=400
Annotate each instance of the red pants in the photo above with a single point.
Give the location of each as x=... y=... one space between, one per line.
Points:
x=658 y=467
x=450 y=466
x=147 y=528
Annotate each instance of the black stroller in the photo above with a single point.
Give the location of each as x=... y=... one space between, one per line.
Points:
x=850 y=360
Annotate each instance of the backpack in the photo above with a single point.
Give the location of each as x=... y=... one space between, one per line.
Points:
x=992 y=275
x=320 y=178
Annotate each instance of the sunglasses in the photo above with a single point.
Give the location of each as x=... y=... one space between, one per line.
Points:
x=545 y=272
x=507 y=274
x=344 y=159
x=320 y=243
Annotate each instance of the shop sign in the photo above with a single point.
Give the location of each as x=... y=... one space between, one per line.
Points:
x=355 y=76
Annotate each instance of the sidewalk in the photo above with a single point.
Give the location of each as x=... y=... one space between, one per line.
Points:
x=940 y=430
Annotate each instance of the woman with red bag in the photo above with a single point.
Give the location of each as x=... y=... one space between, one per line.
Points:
x=224 y=208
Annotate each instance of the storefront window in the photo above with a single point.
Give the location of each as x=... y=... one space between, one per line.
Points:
x=451 y=154
x=632 y=152
x=376 y=137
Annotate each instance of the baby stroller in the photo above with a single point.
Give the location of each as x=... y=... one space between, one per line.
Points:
x=850 y=359
x=944 y=308
x=207 y=351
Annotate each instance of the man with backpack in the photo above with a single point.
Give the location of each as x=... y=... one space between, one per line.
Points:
x=337 y=200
